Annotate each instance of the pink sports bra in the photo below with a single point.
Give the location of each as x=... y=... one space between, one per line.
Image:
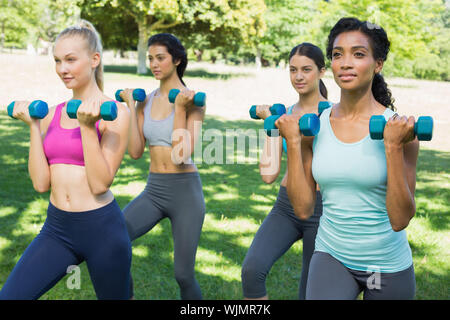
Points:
x=64 y=145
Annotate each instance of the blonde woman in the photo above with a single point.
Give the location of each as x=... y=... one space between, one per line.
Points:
x=77 y=159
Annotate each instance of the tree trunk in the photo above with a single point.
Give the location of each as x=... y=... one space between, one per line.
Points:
x=258 y=59
x=142 y=46
x=198 y=54
x=2 y=37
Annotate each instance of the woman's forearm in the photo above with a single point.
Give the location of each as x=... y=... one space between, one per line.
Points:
x=136 y=144
x=181 y=138
x=99 y=175
x=269 y=164
x=400 y=202
x=299 y=191
x=38 y=167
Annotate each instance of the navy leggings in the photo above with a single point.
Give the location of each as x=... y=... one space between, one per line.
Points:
x=179 y=197
x=98 y=237
x=278 y=232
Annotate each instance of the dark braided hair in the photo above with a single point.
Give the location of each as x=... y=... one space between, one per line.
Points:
x=314 y=53
x=380 y=47
x=174 y=47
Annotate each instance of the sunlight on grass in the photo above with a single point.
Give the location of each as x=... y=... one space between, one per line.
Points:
x=4 y=243
x=31 y=219
x=6 y=211
x=132 y=188
x=140 y=251
x=214 y=263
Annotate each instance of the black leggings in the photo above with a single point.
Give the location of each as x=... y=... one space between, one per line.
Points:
x=329 y=279
x=278 y=232
x=179 y=197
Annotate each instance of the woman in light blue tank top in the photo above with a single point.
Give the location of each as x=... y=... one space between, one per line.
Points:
x=367 y=185
x=174 y=189
x=281 y=228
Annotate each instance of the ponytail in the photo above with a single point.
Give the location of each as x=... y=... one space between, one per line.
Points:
x=381 y=92
x=323 y=89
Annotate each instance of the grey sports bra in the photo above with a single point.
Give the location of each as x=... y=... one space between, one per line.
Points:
x=157 y=132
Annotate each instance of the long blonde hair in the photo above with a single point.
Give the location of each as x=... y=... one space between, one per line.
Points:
x=87 y=31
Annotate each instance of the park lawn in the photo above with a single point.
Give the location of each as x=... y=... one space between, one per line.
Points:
x=237 y=201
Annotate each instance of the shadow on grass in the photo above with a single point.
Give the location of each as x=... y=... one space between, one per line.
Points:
x=192 y=73
x=234 y=192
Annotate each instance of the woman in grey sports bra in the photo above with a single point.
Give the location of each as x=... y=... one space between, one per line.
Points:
x=174 y=189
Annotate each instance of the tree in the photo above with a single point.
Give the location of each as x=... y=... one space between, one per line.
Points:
x=288 y=24
x=408 y=23
x=240 y=19
x=26 y=21
x=16 y=18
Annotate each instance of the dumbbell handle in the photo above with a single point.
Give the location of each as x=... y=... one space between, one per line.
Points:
x=309 y=124
x=199 y=97
x=37 y=109
x=423 y=128
x=108 y=109
x=275 y=109
x=138 y=95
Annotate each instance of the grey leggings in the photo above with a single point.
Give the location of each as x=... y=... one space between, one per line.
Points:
x=329 y=279
x=278 y=232
x=179 y=197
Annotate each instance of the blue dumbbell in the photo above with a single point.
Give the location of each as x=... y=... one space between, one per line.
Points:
x=309 y=124
x=108 y=109
x=423 y=128
x=138 y=95
x=38 y=109
x=324 y=105
x=275 y=109
x=199 y=97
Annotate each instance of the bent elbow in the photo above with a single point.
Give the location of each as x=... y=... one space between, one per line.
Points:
x=269 y=179
x=135 y=156
x=99 y=189
x=397 y=227
x=302 y=213
x=41 y=188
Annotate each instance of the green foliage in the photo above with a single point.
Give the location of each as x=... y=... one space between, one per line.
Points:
x=240 y=30
x=205 y=23
x=16 y=18
x=26 y=21
x=287 y=22
x=413 y=28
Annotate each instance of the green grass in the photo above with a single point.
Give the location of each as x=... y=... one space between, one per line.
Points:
x=237 y=201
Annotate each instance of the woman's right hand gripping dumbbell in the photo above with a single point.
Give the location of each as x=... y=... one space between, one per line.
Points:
x=288 y=126
x=263 y=111
x=130 y=96
x=21 y=111
x=126 y=96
